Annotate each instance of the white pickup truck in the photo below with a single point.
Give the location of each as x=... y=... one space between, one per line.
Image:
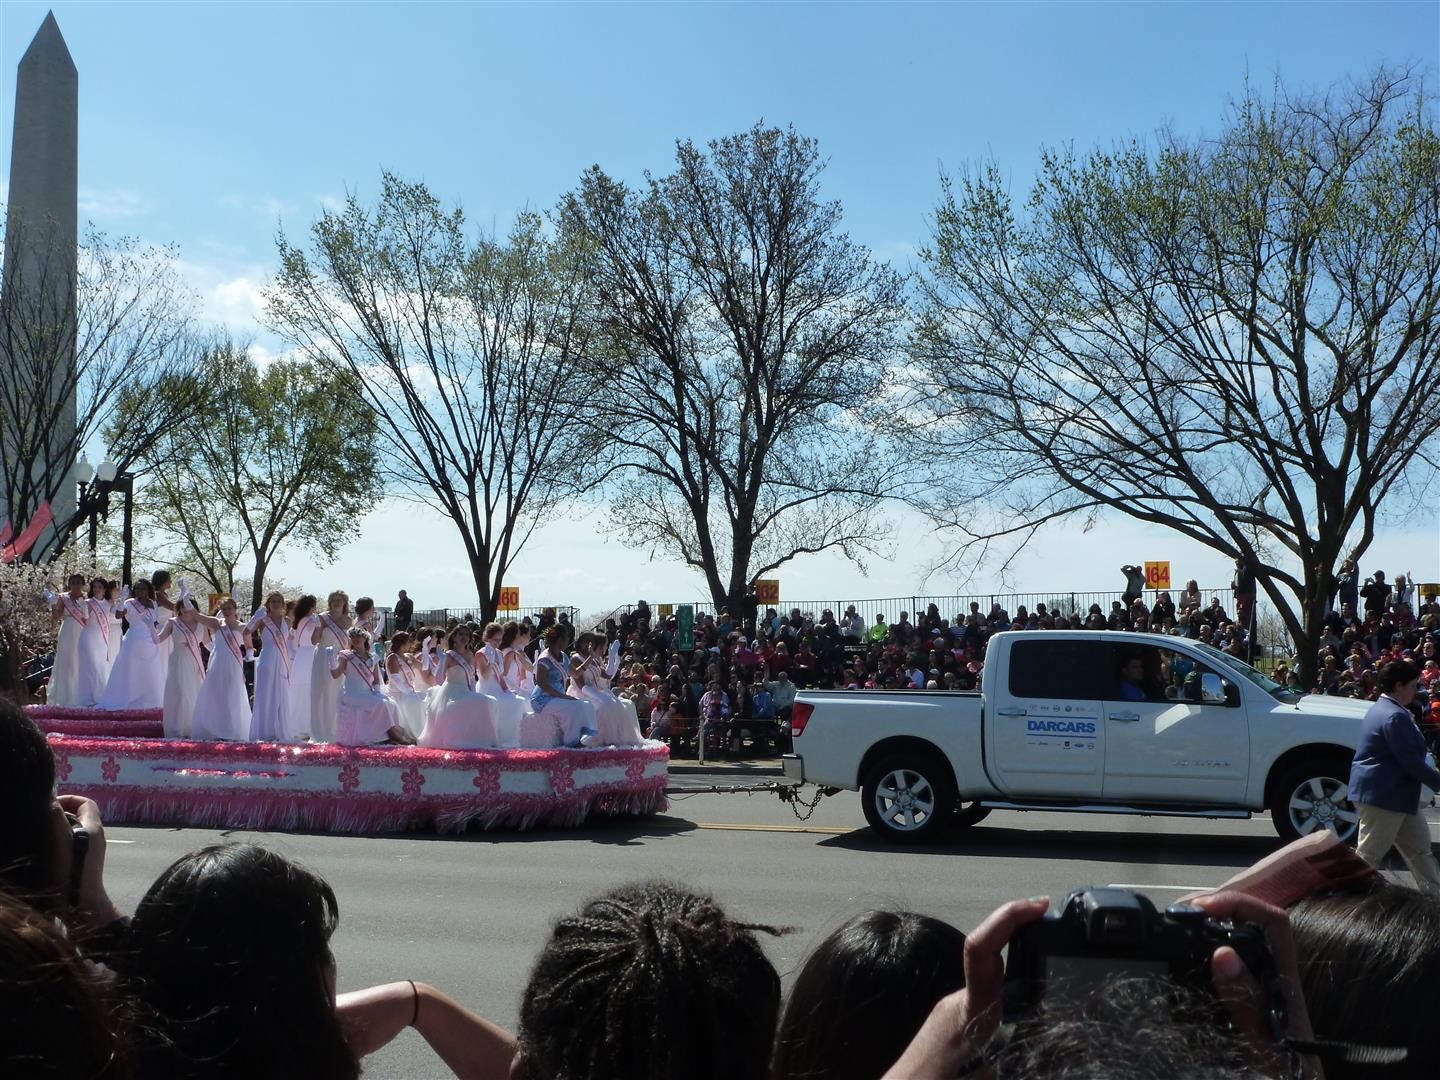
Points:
x=1067 y=720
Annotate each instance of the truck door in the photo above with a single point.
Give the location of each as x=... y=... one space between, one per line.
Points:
x=1043 y=728
x=1190 y=748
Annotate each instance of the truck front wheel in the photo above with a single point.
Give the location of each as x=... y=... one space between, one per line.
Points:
x=907 y=798
x=1314 y=795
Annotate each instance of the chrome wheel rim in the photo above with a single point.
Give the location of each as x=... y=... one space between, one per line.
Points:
x=1323 y=802
x=905 y=800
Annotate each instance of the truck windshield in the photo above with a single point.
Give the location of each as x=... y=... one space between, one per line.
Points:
x=1239 y=667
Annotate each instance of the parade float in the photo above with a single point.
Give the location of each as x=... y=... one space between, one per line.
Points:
x=121 y=760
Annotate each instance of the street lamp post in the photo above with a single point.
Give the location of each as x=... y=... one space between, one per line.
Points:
x=97 y=483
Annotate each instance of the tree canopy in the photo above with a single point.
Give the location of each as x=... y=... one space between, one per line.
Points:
x=1237 y=338
x=746 y=343
x=464 y=350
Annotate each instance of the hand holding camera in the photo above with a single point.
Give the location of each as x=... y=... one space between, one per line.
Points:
x=1228 y=946
x=85 y=880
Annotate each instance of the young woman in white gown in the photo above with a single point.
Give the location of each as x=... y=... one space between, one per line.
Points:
x=406 y=682
x=616 y=721
x=160 y=586
x=366 y=714
x=330 y=638
x=368 y=618
x=98 y=630
x=559 y=719
x=303 y=624
x=76 y=674
x=489 y=665
x=186 y=669
x=115 y=597
x=457 y=715
x=137 y=681
x=222 y=708
x=270 y=718
x=519 y=669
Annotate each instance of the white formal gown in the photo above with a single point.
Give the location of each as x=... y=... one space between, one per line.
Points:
x=104 y=627
x=510 y=708
x=302 y=673
x=365 y=713
x=270 y=719
x=457 y=715
x=137 y=681
x=78 y=678
x=182 y=685
x=222 y=708
x=403 y=689
x=325 y=691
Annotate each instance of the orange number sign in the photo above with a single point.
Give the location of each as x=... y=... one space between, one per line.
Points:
x=1157 y=575
x=509 y=597
x=767 y=590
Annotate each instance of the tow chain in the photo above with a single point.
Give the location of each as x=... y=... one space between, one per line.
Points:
x=790 y=795
x=786 y=793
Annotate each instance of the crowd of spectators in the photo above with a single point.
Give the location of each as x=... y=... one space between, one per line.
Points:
x=1371 y=623
x=225 y=969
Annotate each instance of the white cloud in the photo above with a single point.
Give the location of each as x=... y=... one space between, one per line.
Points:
x=103 y=205
x=269 y=207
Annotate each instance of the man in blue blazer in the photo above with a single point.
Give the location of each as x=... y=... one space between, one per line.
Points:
x=1386 y=775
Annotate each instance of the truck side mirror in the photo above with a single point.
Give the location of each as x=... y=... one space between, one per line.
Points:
x=1213 y=690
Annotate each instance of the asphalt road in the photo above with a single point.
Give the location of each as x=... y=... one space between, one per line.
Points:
x=468 y=913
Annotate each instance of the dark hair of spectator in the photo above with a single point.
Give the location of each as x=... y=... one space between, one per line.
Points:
x=1126 y=1031
x=1369 y=963
x=1397 y=673
x=863 y=994
x=647 y=982
x=303 y=607
x=27 y=812
x=230 y=961
x=57 y=1016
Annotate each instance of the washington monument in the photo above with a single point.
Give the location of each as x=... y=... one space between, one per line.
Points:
x=37 y=294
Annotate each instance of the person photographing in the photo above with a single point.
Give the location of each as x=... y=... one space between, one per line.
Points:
x=1386 y=775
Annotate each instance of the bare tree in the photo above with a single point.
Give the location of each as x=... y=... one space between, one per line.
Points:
x=1238 y=338
x=746 y=342
x=133 y=330
x=463 y=350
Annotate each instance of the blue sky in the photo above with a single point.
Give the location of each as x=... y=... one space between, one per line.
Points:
x=210 y=124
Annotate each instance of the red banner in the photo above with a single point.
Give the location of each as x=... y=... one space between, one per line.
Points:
x=26 y=540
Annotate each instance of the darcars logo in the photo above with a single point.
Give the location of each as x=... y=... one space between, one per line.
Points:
x=1060 y=727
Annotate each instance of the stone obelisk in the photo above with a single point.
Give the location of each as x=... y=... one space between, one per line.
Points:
x=37 y=407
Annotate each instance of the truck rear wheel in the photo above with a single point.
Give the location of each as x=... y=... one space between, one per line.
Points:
x=908 y=798
x=1314 y=795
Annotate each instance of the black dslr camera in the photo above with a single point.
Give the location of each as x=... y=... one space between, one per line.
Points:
x=1098 y=935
